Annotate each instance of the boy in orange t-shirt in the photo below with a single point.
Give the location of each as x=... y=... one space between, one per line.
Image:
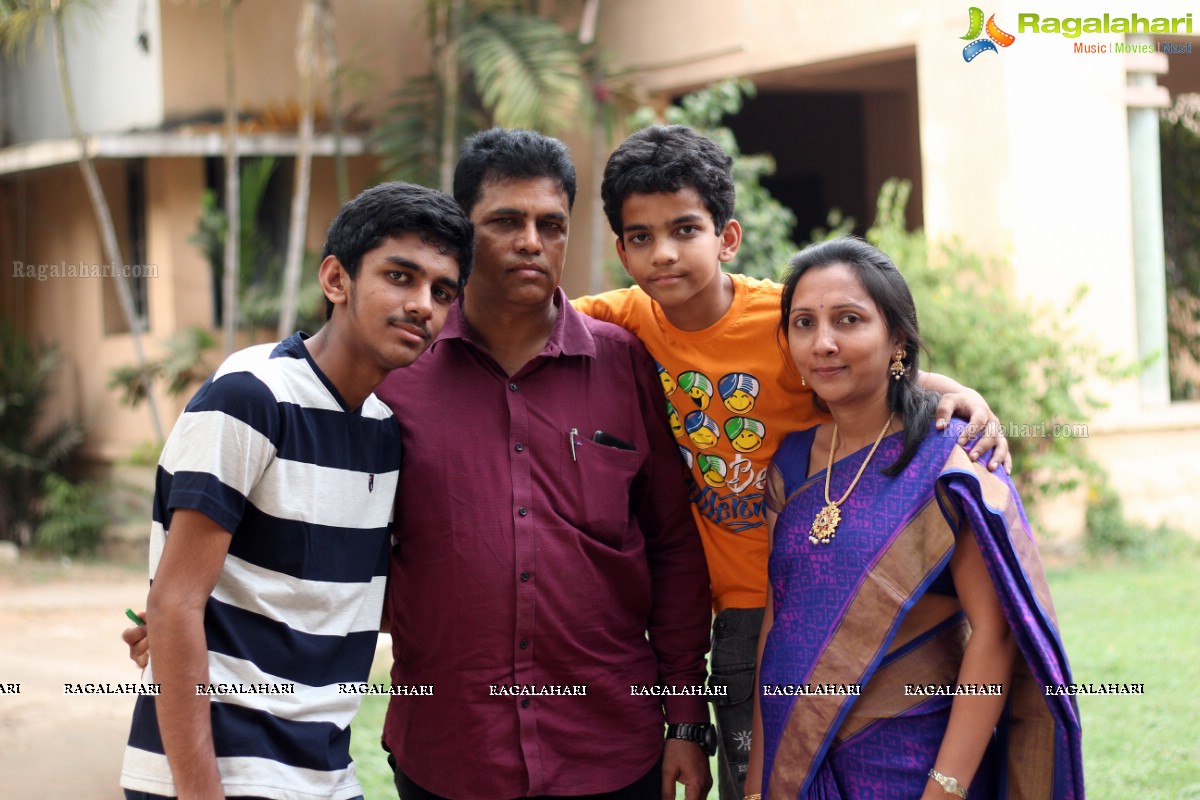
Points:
x=730 y=384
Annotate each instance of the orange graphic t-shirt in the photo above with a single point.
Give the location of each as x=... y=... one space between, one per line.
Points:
x=732 y=394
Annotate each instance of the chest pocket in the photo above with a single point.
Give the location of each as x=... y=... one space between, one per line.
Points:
x=596 y=481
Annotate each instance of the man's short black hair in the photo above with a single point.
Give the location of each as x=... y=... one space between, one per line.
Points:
x=665 y=159
x=391 y=210
x=502 y=153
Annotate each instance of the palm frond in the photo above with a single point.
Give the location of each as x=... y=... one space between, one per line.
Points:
x=407 y=137
x=409 y=134
x=527 y=71
x=22 y=23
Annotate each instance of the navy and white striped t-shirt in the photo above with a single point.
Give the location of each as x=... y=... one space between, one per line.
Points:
x=268 y=450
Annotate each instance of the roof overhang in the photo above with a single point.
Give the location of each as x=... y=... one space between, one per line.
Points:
x=174 y=144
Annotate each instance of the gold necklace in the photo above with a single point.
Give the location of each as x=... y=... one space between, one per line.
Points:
x=825 y=525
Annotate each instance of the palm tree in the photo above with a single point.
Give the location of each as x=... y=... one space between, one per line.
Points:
x=230 y=278
x=494 y=63
x=306 y=63
x=21 y=23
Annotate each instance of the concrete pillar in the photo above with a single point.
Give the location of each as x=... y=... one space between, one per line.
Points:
x=1144 y=97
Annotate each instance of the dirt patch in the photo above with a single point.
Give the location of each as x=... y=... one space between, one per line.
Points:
x=61 y=624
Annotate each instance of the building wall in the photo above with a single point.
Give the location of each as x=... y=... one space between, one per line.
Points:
x=59 y=228
x=60 y=231
x=124 y=93
x=378 y=43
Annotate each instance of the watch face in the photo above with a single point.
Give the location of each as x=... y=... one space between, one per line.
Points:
x=710 y=740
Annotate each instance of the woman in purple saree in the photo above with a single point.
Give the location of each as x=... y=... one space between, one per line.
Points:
x=909 y=633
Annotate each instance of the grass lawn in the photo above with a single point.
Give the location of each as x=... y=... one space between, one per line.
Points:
x=1127 y=622
x=1136 y=622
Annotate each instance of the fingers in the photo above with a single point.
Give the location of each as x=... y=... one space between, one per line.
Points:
x=668 y=787
x=139 y=646
x=945 y=410
x=1001 y=454
x=983 y=422
x=991 y=437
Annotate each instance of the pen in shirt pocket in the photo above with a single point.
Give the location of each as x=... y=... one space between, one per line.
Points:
x=600 y=438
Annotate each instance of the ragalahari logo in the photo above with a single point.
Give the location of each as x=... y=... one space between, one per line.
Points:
x=995 y=36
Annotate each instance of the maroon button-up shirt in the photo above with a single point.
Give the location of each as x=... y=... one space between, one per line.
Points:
x=531 y=558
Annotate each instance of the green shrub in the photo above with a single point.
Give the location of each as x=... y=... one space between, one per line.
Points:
x=29 y=449
x=73 y=517
x=1109 y=532
x=1026 y=360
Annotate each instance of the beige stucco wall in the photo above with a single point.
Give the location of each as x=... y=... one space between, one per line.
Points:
x=378 y=41
x=69 y=312
x=60 y=228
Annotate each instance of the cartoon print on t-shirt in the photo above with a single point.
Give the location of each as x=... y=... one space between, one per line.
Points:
x=673 y=418
x=738 y=391
x=725 y=487
x=698 y=387
x=745 y=434
x=687 y=457
x=703 y=432
x=713 y=468
x=668 y=383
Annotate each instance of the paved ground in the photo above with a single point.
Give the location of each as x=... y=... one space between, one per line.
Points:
x=62 y=624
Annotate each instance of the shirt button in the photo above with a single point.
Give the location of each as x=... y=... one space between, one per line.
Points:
x=512 y=386
x=524 y=644
x=519 y=447
x=525 y=703
x=523 y=511
x=525 y=576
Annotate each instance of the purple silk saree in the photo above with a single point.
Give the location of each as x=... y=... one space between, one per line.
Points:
x=844 y=719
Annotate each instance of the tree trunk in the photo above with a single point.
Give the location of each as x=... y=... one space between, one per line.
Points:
x=108 y=232
x=233 y=231
x=306 y=54
x=328 y=36
x=597 y=281
x=446 y=61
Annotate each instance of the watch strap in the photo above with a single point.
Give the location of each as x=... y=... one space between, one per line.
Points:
x=949 y=785
x=702 y=734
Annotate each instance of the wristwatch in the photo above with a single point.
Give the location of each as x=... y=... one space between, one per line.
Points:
x=950 y=785
x=704 y=735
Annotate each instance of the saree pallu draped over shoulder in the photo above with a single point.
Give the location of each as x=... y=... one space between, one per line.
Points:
x=843 y=718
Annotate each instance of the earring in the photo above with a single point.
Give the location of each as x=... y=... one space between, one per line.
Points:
x=802 y=381
x=897 y=368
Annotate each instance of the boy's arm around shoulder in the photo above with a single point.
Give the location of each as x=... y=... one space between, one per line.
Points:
x=613 y=306
x=966 y=403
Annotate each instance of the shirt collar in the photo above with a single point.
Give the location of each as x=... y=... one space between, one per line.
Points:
x=570 y=335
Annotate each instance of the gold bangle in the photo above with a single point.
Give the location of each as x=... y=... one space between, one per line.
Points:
x=755 y=796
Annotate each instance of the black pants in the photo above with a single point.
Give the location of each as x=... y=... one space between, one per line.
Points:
x=647 y=787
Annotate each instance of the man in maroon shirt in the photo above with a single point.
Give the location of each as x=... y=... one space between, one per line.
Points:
x=547 y=579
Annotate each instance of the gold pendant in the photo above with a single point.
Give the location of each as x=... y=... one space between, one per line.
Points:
x=825 y=525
